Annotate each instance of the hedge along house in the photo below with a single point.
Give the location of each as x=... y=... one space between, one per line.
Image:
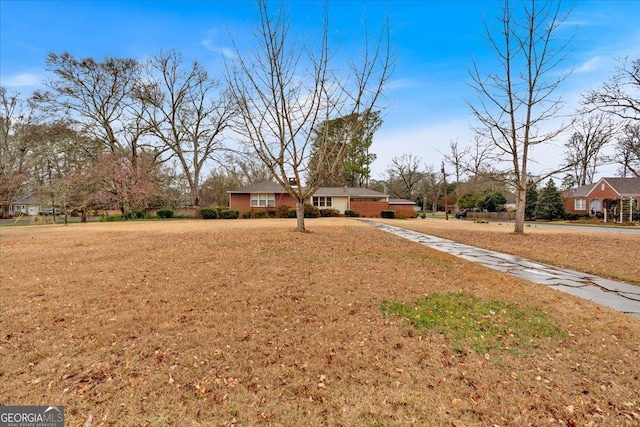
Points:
x=266 y=195
x=612 y=199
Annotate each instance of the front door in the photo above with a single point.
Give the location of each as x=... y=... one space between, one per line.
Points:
x=595 y=207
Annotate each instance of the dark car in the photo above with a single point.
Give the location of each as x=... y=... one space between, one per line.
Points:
x=462 y=214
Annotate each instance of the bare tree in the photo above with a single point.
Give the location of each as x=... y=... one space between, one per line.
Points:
x=517 y=102
x=97 y=95
x=456 y=157
x=286 y=88
x=405 y=177
x=583 y=149
x=182 y=109
x=480 y=157
x=621 y=94
x=628 y=150
x=60 y=161
x=17 y=116
x=245 y=167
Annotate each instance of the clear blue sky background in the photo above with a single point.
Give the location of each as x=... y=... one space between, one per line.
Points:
x=434 y=42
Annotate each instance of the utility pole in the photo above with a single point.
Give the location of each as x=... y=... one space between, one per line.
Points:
x=444 y=179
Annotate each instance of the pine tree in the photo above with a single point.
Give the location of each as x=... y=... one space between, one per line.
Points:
x=550 y=205
x=532 y=200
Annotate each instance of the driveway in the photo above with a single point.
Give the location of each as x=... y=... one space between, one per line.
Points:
x=617 y=295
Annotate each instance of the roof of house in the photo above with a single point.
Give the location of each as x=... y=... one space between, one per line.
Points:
x=273 y=187
x=401 y=202
x=581 y=191
x=29 y=200
x=625 y=187
x=348 y=191
x=261 y=187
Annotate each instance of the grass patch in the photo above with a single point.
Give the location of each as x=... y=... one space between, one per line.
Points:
x=484 y=326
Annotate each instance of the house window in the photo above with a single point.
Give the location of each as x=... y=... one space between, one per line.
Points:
x=580 y=204
x=260 y=199
x=322 y=202
x=595 y=206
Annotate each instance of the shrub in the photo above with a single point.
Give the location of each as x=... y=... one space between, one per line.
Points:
x=209 y=213
x=259 y=214
x=134 y=215
x=165 y=213
x=229 y=214
x=271 y=213
x=311 y=211
x=388 y=214
x=246 y=215
x=352 y=213
x=282 y=211
x=404 y=213
x=291 y=213
x=329 y=212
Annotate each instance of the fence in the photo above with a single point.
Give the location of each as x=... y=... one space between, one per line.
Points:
x=492 y=216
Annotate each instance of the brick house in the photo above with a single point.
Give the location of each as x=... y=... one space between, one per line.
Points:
x=369 y=203
x=612 y=199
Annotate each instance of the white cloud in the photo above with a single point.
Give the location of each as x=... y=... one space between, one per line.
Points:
x=225 y=51
x=589 y=65
x=428 y=141
x=23 y=79
x=400 y=83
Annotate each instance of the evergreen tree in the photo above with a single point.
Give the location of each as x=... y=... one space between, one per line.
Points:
x=532 y=200
x=492 y=201
x=468 y=200
x=356 y=131
x=550 y=205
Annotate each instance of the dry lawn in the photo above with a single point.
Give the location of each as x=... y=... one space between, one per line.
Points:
x=247 y=322
x=612 y=255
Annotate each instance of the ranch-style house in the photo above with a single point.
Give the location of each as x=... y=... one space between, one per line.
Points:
x=268 y=194
x=611 y=199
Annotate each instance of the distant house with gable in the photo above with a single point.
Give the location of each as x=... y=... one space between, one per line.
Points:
x=611 y=199
x=29 y=205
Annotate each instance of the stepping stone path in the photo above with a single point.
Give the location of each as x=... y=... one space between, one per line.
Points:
x=617 y=295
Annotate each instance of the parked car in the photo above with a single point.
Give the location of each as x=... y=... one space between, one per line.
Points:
x=462 y=214
x=50 y=211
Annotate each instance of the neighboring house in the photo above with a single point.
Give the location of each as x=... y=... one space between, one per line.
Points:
x=612 y=199
x=268 y=194
x=30 y=205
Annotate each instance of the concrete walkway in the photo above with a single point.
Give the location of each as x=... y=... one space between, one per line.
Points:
x=617 y=295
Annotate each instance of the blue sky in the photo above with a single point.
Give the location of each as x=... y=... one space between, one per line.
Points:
x=434 y=42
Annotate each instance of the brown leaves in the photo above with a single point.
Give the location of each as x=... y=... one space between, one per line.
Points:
x=225 y=323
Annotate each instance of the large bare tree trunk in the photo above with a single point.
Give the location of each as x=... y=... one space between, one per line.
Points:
x=300 y=216
x=521 y=197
